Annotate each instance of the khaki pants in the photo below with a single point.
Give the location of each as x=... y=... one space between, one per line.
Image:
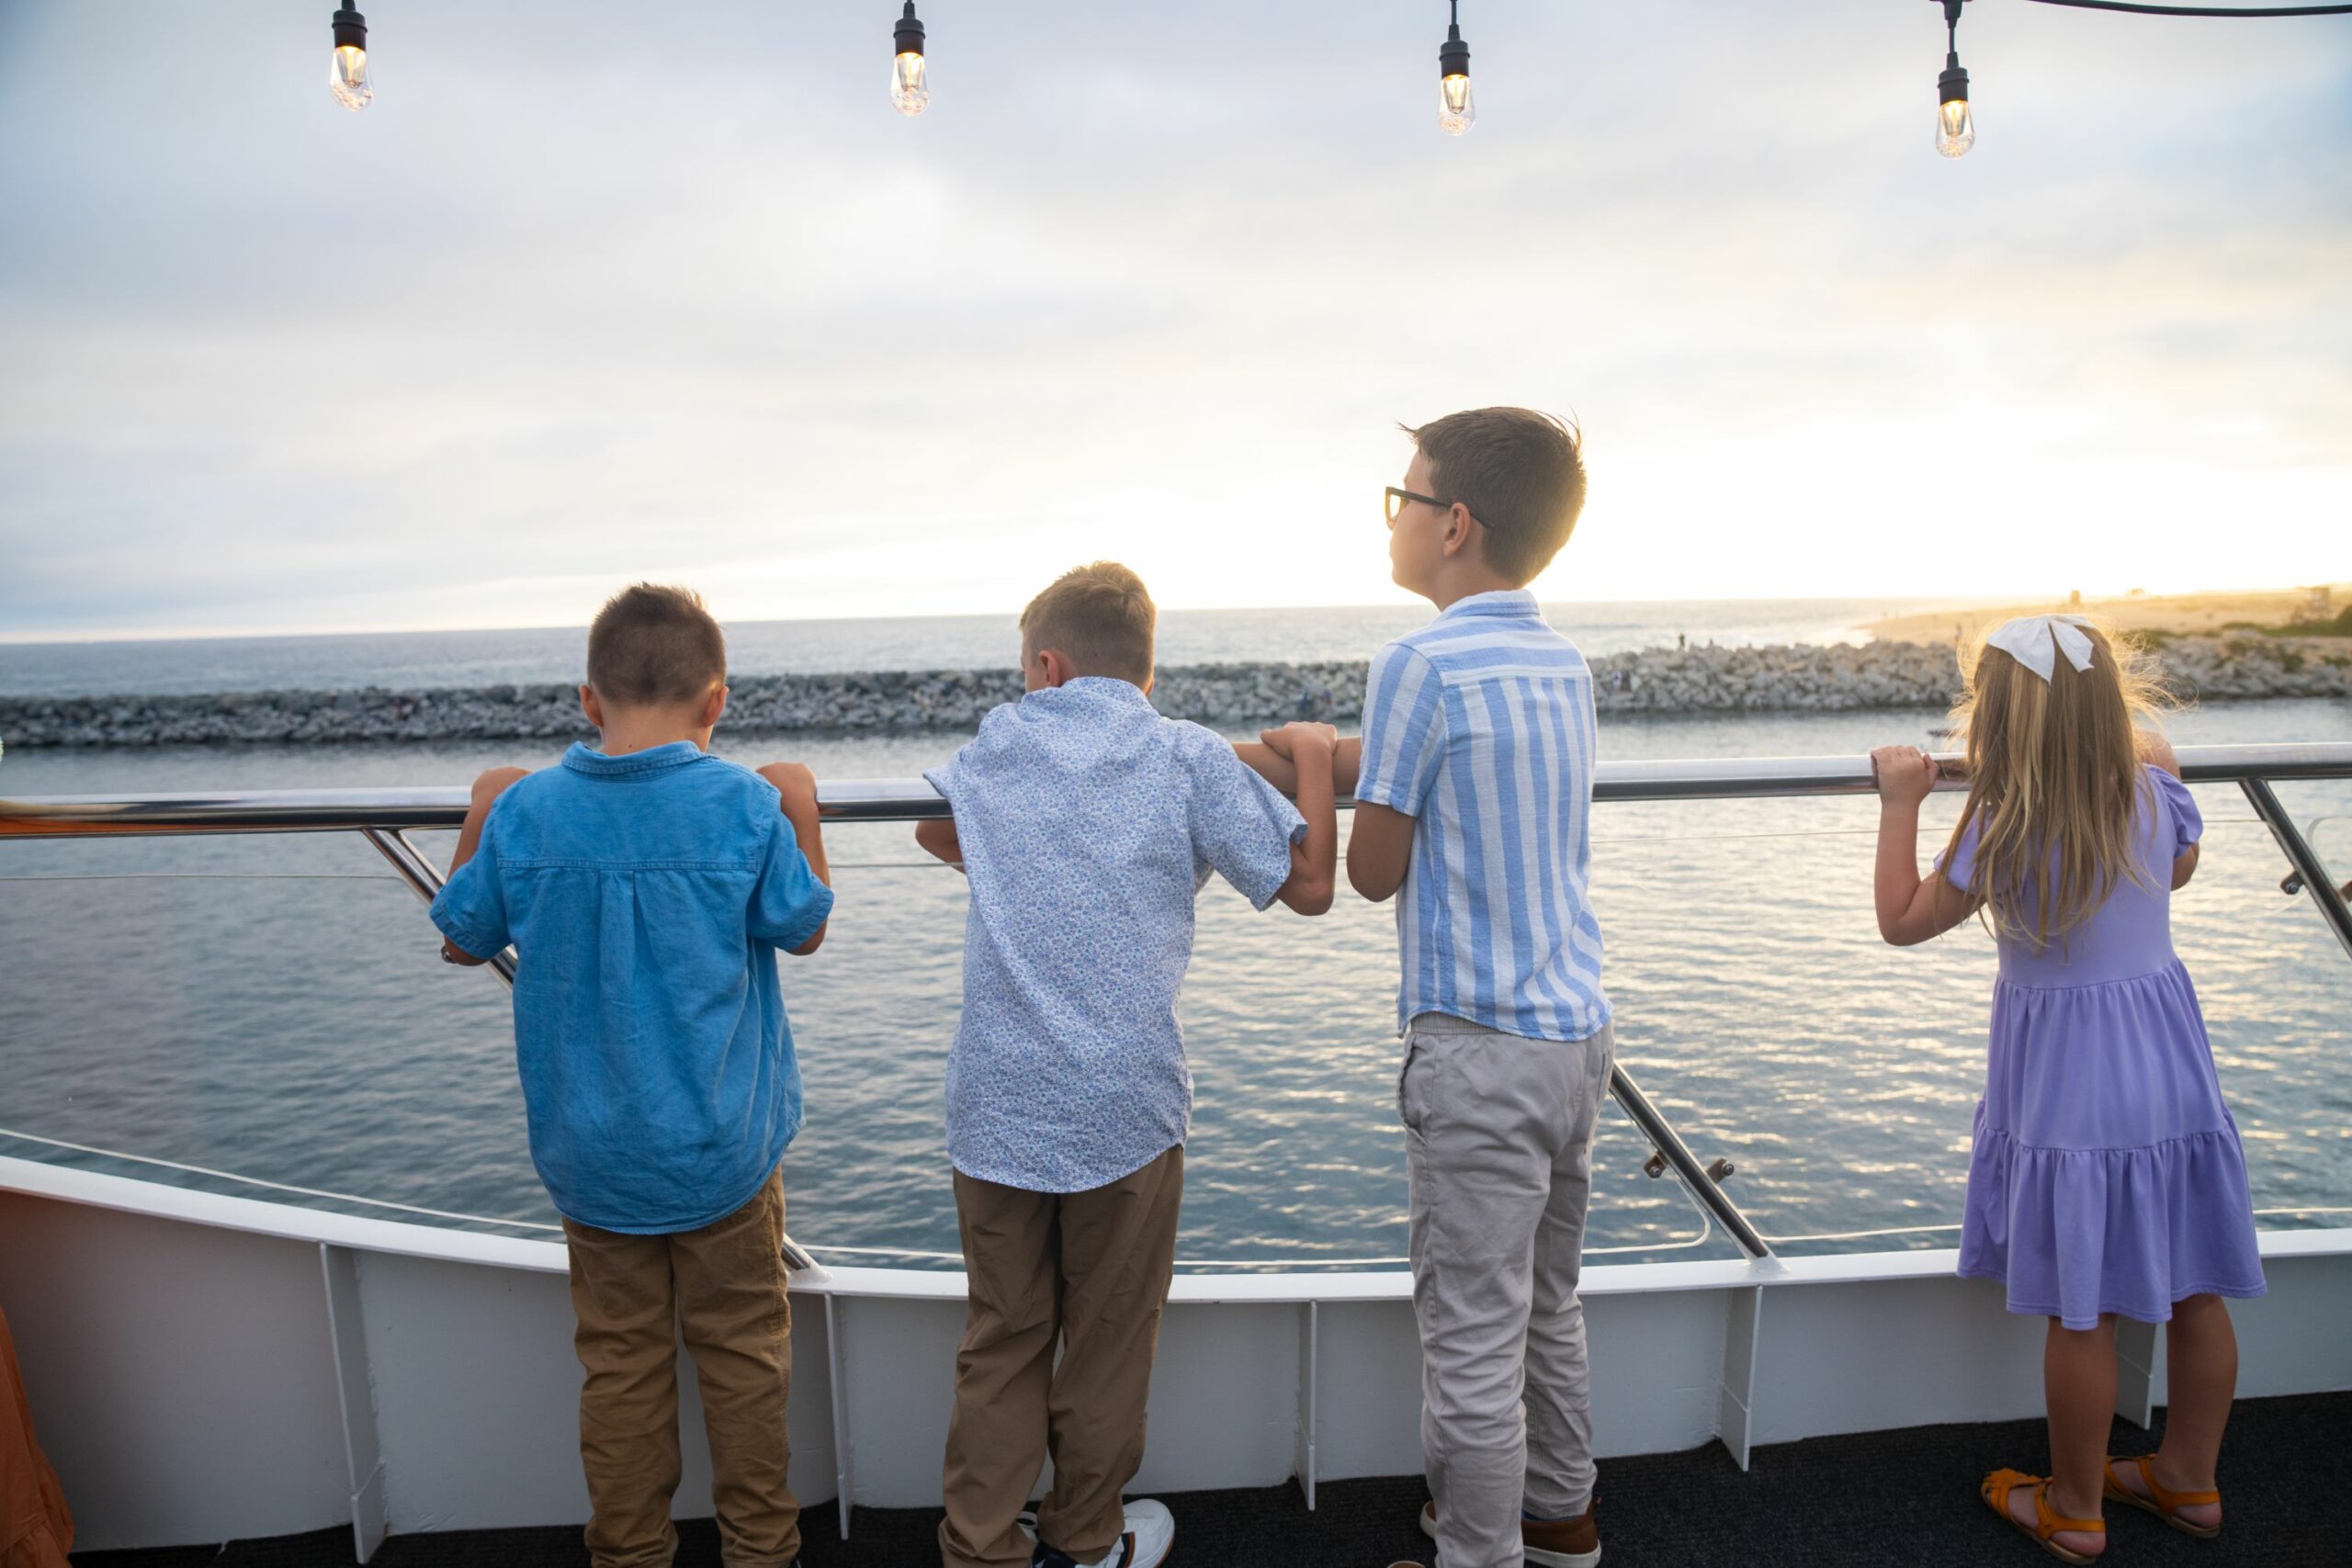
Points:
x=1499 y=1144
x=723 y=1288
x=1090 y=1269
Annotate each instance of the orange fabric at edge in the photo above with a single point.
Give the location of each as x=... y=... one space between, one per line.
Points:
x=35 y=1529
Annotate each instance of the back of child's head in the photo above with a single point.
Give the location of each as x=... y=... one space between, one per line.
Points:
x=1519 y=472
x=652 y=646
x=2054 y=773
x=1099 y=617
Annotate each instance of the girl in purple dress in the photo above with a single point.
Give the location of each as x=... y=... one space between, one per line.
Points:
x=2106 y=1177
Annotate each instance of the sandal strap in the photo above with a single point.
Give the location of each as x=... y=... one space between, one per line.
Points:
x=2050 y=1524
x=2171 y=1502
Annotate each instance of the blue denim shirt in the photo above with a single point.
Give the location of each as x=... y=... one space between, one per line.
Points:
x=1088 y=823
x=646 y=896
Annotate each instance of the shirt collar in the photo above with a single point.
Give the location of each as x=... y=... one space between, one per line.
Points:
x=1109 y=688
x=585 y=759
x=1496 y=602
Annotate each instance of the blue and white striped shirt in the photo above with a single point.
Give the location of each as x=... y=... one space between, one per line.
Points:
x=1480 y=726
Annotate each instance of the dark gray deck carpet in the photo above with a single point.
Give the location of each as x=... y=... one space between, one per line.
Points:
x=1906 y=1499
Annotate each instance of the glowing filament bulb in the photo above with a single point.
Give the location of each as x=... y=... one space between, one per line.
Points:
x=909 y=89
x=347 y=67
x=1457 y=111
x=348 y=79
x=1955 y=127
x=908 y=92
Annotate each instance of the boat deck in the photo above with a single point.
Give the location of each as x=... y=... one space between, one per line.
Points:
x=1818 y=1504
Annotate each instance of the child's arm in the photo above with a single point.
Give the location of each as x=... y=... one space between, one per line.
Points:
x=1311 y=749
x=2157 y=751
x=936 y=837
x=1910 y=910
x=1269 y=757
x=1379 y=850
x=487 y=789
x=796 y=788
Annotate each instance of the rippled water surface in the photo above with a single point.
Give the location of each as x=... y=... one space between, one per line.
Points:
x=274 y=1007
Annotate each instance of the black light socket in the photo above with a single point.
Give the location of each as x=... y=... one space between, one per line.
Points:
x=350 y=29
x=908 y=36
x=1953 y=84
x=1454 y=55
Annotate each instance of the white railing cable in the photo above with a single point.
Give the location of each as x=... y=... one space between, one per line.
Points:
x=277 y=1186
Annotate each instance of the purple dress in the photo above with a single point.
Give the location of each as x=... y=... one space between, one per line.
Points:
x=2107 y=1175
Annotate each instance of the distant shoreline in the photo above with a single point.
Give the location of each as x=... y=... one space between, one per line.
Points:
x=1789 y=678
x=2172 y=615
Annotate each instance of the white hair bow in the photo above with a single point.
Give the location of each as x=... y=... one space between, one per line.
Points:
x=2036 y=641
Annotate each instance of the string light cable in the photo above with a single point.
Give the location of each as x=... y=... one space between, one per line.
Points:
x=2125 y=5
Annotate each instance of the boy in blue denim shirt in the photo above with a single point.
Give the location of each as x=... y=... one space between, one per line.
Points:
x=1087 y=823
x=646 y=887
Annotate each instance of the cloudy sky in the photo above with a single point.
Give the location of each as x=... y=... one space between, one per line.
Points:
x=601 y=289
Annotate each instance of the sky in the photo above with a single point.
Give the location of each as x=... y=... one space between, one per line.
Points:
x=603 y=290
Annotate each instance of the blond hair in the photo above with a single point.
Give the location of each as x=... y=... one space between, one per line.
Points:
x=2054 y=783
x=1099 y=617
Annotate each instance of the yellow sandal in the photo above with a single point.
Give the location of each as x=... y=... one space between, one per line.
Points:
x=2165 y=1505
x=1995 y=1489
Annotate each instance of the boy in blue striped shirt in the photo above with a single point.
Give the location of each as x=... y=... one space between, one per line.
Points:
x=1474 y=794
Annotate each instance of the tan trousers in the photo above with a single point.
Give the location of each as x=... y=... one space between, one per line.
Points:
x=1090 y=1269
x=723 y=1288
x=1498 y=1144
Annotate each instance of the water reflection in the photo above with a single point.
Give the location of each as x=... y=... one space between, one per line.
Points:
x=301 y=1028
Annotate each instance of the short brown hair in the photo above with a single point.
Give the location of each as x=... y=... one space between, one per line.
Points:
x=1520 y=474
x=655 y=647
x=1100 y=616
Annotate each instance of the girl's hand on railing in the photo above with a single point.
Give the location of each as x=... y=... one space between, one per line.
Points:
x=1905 y=774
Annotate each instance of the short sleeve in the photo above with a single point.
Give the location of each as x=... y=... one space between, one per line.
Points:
x=787 y=903
x=947 y=775
x=1958 y=865
x=1404 y=731
x=1241 y=825
x=2187 y=823
x=470 y=908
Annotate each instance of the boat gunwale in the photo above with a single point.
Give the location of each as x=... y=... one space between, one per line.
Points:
x=291 y=1222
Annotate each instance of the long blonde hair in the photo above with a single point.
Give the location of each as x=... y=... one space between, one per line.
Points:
x=2053 y=783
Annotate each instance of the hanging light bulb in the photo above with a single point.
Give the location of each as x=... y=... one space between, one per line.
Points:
x=908 y=93
x=1456 y=112
x=1955 y=126
x=347 y=72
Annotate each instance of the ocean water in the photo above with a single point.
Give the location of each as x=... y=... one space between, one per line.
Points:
x=411 y=660
x=273 y=1007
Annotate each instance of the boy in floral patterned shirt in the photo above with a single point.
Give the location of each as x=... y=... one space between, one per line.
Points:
x=1087 y=823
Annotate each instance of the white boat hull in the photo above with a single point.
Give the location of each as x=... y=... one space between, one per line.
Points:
x=205 y=1368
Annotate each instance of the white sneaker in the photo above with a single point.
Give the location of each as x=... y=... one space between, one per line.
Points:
x=1149 y=1537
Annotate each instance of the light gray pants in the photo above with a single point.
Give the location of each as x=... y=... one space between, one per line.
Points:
x=1498 y=1142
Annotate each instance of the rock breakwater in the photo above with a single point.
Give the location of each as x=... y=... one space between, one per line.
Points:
x=1693 y=680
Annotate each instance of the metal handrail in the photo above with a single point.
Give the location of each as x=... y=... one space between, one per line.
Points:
x=910 y=800
x=385 y=817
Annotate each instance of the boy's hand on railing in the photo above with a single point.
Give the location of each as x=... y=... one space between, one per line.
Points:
x=1274 y=757
x=1287 y=741
x=1905 y=774
x=795 y=782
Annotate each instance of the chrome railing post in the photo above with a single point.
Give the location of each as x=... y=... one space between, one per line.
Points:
x=1677 y=1153
x=426 y=882
x=2303 y=857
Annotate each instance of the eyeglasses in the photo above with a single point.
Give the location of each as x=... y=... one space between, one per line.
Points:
x=1395 y=500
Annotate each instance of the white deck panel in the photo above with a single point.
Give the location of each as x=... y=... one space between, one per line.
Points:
x=183 y=1364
